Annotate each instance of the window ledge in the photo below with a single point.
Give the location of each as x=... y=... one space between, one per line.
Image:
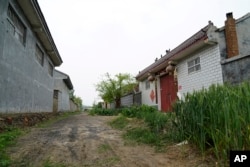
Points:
x=233 y=59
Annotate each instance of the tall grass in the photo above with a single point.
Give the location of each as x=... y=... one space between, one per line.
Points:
x=217 y=118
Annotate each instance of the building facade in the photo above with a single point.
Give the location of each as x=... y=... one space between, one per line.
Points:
x=28 y=56
x=62 y=88
x=210 y=56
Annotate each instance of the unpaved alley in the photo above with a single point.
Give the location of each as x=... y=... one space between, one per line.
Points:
x=84 y=140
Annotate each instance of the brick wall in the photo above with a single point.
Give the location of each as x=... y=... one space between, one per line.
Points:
x=231 y=36
x=210 y=73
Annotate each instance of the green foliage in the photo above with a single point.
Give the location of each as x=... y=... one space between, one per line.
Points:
x=77 y=100
x=142 y=135
x=6 y=139
x=113 y=88
x=119 y=123
x=217 y=118
x=131 y=112
x=104 y=111
x=156 y=121
x=138 y=111
x=104 y=148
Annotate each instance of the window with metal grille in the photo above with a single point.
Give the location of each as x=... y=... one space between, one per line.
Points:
x=194 y=65
x=50 y=69
x=39 y=55
x=16 y=26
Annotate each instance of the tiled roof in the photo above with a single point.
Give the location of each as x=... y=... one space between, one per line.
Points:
x=200 y=35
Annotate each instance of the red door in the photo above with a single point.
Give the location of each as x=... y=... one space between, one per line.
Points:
x=168 y=92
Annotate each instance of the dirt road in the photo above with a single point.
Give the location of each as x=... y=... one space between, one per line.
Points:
x=83 y=140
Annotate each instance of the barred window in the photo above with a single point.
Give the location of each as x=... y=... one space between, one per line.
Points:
x=194 y=65
x=50 y=69
x=16 y=26
x=39 y=55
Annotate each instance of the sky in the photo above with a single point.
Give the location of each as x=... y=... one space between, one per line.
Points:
x=94 y=37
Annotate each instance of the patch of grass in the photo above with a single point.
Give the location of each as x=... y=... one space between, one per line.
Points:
x=104 y=148
x=142 y=135
x=7 y=139
x=110 y=161
x=119 y=123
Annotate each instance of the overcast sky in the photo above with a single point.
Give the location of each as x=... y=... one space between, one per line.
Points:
x=125 y=36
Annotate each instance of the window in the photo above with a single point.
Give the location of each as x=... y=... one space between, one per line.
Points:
x=16 y=26
x=194 y=65
x=39 y=55
x=147 y=84
x=50 y=69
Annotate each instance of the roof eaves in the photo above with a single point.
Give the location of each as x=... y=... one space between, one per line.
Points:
x=184 y=45
x=39 y=25
x=66 y=80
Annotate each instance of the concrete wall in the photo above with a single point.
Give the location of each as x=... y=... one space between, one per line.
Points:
x=127 y=100
x=73 y=106
x=236 y=69
x=63 y=97
x=137 y=98
x=243 y=34
x=25 y=85
x=210 y=73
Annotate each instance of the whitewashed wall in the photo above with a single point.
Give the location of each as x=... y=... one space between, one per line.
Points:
x=210 y=73
x=145 y=93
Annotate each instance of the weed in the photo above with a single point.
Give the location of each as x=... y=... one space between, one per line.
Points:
x=6 y=139
x=119 y=123
x=104 y=148
x=142 y=135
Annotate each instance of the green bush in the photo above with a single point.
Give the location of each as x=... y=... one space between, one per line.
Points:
x=138 y=111
x=104 y=112
x=217 y=118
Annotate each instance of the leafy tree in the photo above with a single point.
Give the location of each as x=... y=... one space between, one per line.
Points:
x=113 y=88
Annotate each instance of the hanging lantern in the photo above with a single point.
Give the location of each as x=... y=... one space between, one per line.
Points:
x=151 y=78
x=169 y=68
